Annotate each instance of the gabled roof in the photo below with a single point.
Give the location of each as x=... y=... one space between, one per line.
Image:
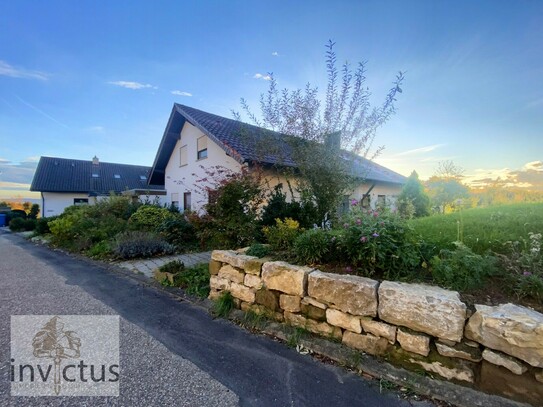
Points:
x=243 y=141
x=55 y=174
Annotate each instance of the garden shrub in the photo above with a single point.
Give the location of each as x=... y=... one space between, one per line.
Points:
x=378 y=241
x=258 y=250
x=312 y=246
x=149 y=218
x=282 y=235
x=100 y=250
x=461 y=269
x=173 y=267
x=134 y=244
x=17 y=224
x=194 y=280
x=178 y=231
x=42 y=225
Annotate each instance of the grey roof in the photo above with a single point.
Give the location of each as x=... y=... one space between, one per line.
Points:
x=244 y=143
x=55 y=174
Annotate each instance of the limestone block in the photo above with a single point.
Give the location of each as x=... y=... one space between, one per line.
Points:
x=230 y=273
x=243 y=293
x=461 y=351
x=234 y=259
x=219 y=283
x=284 y=277
x=413 y=342
x=268 y=299
x=458 y=372
x=214 y=267
x=424 y=308
x=290 y=303
x=343 y=320
x=512 y=329
x=379 y=329
x=314 y=302
x=352 y=294
x=368 y=343
x=214 y=295
x=321 y=328
x=500 y=359
x=253 y=281
x=313 y=312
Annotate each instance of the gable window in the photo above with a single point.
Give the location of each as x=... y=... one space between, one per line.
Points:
x=81 y=201
x=142 y=177
x=202 y=148
x=186 y=201
x=183 y=159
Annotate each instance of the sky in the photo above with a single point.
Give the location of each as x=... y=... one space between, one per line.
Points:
x=86 y=78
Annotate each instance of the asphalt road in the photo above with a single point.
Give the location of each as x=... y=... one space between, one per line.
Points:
x=172 y=353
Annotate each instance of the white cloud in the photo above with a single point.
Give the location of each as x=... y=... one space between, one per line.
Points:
x=180 y=93
x=94 y=129
x=14 y=72
x=275 y=53
x=533 y=166
x=420 y=150
x=132 y=85
x=529 y=176
x=263 y=77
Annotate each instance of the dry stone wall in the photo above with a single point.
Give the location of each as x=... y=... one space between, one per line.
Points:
x=413 y=325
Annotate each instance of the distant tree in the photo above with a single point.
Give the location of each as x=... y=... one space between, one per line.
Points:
x=26 y=206
x=345 y=120
x=445 y=187
x=413 y=194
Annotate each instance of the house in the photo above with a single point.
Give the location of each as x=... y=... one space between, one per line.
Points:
x=195 y=140
x=64 y=182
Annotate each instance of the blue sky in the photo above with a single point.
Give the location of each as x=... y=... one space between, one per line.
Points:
x=94 y=77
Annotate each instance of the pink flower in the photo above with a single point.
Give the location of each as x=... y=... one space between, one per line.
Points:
x=345 y=225
x=363 y=239
x=358 y=222
x=375 y=214
x=348 y=269
x=527 y=273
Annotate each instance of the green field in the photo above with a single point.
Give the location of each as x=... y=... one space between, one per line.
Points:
x=482 y=228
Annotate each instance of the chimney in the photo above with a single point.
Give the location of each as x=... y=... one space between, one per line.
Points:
x=333 y=140
x=95 y=161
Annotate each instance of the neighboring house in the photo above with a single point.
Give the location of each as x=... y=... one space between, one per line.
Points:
x=194 y=140
x=64 y=182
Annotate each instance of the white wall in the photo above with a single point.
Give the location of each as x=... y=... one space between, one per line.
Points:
x=54 y=203
x=180 y=179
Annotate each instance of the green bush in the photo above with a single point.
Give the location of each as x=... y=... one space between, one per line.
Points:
x=194 y=280
x=42 y=225
x=461 y=269
x=17 y=224
x=224 y=304
x=100 y=250
x=173 y=267
x=312 y=246
x=282 y=235
x=149 y=218
x=258 y=250
x=378 y=241
x=178 y=231
x=134 y=244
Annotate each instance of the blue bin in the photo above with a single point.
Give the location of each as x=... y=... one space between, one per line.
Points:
x=2 y=219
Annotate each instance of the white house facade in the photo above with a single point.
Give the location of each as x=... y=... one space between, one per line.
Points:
x=196 y=142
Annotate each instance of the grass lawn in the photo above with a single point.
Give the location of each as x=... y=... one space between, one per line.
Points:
x=482 y=228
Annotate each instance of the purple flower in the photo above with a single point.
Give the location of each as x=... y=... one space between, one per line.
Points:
x=375 y=214
x=363 y=239
x=358 y=222
x=527 y=273
x=345 y=225
x=354 y=202
x=375 y=234
x=348 y=269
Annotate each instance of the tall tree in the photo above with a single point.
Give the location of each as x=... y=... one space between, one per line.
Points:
x=445 y=187
x=413 y=195
x=326 y=134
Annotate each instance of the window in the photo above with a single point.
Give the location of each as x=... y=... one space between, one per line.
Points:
x=344 y=205
x=381 y=201
x=95 y=175
x=183 y=159
x=81 y=201
x=202 y=148
x=117 y=176
x=186 y=201
x=143 y=177
x=365 y=201
x=175 y=199
x=212 y=196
